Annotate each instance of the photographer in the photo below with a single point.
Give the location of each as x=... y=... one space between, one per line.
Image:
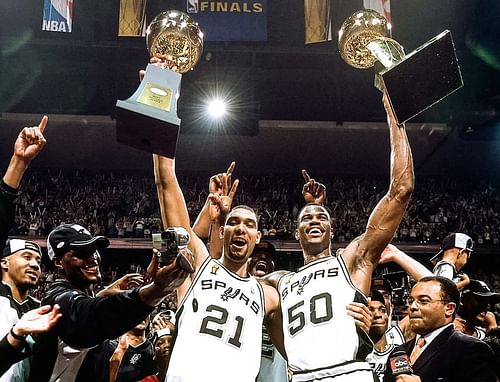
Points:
x=87 y=321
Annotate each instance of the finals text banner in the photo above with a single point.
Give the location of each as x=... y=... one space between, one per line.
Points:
x=230 y=20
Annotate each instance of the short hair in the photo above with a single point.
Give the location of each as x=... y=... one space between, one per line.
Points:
x=313 y=204
x=242 y=207
x=449 y=290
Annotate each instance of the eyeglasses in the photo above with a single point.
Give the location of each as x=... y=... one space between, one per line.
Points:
x=422 y=301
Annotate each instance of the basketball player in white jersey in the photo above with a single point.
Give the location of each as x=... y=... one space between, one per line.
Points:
x=219 y=320
x=321 y=340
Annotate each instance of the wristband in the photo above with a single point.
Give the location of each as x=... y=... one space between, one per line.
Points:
x=17 y=336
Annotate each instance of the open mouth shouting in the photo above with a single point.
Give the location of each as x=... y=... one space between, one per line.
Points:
x=238 y=245
x=261 y=268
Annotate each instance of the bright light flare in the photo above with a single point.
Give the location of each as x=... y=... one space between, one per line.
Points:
x=216 y=108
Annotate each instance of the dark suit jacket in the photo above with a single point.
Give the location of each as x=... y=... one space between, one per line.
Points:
x=451 y=357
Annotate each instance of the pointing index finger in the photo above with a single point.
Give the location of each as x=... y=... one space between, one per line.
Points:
x=43 y=123
x=306 y=176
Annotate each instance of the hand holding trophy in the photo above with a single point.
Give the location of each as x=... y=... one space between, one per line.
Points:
x=413 y=82
x=148 y=119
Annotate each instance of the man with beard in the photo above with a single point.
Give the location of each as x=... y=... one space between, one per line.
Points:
x=439 y=352
x=86 y=320
x=20 y=264
x=314 y=299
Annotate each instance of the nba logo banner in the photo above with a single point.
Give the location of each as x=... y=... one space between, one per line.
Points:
x=230 y=20
x=57 y=15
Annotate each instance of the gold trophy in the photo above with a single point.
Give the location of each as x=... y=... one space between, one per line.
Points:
x=148 y=119
x=413 y=82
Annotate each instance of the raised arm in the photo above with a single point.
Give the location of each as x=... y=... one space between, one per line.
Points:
x=29 y=143
x=411 y=266
x=312 y=191
x=362 y=255
x=173 y=206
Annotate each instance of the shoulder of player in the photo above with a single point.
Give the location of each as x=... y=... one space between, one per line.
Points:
x=271 y=299
x=272 y=279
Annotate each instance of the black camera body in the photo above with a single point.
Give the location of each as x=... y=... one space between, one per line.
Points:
x=170 y=242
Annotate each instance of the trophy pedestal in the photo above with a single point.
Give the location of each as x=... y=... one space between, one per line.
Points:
x=423 y=77
x=148 y=119
x=146 y=133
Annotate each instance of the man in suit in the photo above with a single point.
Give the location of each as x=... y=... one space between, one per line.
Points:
x=439 y=352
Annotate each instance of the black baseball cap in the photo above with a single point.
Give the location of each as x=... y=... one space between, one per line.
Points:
x=16 y=245
x=264 y=246
x=375 y=295
x=72 y=236
x=479 y=288
x=454 y=240
x=381 y=283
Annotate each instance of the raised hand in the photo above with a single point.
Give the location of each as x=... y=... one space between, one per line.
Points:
x=389 y=254
x=129 y=281
x=313 y=192
x=170 y=276
x=361 y=314
x=30 y=141
x=38 y=320
x=221 y=193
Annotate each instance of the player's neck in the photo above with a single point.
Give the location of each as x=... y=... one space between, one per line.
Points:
x=237 y=268
x=310 y=256
x=380 y=344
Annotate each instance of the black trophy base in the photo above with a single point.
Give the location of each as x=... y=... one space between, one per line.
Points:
x=146 y=133
x=423 y=78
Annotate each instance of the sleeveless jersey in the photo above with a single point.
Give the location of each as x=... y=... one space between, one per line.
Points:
x=378 y=360
x=219 y=325
x=322 y=341
x=273 y=367
x=395 y=336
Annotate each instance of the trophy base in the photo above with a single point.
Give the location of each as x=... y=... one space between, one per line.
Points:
x=146 y=133
x=423 y=78
x=148 y=119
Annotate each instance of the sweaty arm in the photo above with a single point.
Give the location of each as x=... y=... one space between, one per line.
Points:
x=362 y=254
x=173 y=208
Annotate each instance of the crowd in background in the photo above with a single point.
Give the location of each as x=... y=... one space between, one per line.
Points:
x=125 y=205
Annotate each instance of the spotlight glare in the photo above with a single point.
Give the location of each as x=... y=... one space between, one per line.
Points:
x=216 y=108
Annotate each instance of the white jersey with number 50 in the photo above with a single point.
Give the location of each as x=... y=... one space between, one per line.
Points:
x=321 y=339
x=219 y=325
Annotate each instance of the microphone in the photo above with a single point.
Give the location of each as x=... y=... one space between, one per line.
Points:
x=400 y=363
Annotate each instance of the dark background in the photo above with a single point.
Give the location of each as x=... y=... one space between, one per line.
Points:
x=83 y=74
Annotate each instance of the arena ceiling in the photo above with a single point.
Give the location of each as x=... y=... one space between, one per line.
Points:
x=279 y=80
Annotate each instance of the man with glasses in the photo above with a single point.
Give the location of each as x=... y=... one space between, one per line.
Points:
x=439 y=352
x=455 y=251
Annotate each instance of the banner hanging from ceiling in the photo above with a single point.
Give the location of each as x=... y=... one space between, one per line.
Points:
x=57 y=15
x=230 y=20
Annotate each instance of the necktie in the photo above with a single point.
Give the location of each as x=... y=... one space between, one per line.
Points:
x=417 y=350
